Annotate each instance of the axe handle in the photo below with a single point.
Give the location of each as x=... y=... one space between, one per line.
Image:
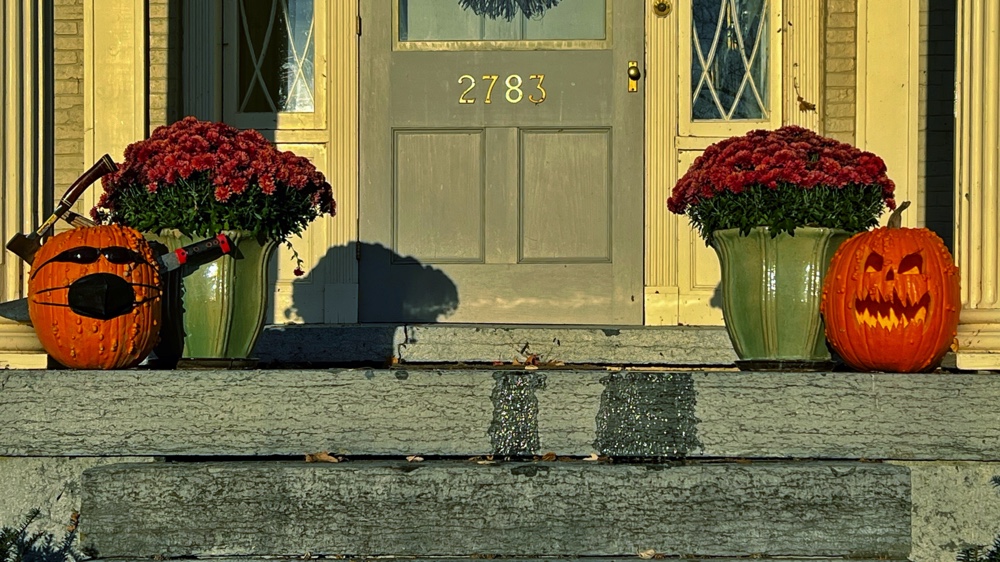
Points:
x=78 y=221
x=103 y=166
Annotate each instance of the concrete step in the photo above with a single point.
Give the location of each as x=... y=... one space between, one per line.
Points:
x=480 y=558
x=377 y=344
x=467 y=412
x=527 y=509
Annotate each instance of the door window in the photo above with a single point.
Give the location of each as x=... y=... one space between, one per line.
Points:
x=729 y=63
x=444 y=21
x=276 y=54
x=270 y=59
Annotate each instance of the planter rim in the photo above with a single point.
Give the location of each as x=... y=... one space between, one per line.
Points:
x=233 y=234
x=736 y=231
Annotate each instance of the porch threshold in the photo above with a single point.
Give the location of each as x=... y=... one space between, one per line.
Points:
x=378 y=344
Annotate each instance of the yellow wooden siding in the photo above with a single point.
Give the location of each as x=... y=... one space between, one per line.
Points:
x=68 y=91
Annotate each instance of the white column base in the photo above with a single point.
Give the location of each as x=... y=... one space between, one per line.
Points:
x=972 y=361
x=978 y=340
x=19 y=347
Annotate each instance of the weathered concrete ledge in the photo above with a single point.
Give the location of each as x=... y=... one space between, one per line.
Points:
x=367 y=508
x=480 y=558
x=506 y=413
x=319 y=344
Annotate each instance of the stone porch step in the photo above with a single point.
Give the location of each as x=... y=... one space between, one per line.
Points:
x=528 y=509
x=336 y=344
x=504 y=412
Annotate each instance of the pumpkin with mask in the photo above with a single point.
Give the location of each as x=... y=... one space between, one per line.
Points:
x=891 y=299
x=94 y=297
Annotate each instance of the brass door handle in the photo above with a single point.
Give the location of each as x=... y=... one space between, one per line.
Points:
x=634 y=74
x=662 y=8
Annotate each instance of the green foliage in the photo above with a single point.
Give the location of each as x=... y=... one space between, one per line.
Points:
x=18 y=544
x=194 y=211
x=854 y=208
x=982 y=553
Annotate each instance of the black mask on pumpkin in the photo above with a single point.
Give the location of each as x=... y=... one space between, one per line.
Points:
x=101 y=295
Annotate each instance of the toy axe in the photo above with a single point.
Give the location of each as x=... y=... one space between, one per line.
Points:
x=26 y=246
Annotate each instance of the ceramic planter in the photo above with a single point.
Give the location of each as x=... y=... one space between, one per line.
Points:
x=771 y=292
x=215 y=310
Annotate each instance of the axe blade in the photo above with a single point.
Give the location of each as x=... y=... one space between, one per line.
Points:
x=24 y=247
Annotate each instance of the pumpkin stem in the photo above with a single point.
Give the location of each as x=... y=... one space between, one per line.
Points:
x=896 y=218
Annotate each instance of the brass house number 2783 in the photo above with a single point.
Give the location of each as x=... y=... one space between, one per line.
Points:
x=514 y=86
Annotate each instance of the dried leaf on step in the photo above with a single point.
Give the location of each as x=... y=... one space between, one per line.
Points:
x=647 y=554
x=531 y=367
x=481 y=460
x=591 y=457
x=549 y=457
x=414 y=458
x=323 y=456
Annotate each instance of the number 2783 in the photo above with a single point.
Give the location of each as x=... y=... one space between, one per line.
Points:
x=514 y=88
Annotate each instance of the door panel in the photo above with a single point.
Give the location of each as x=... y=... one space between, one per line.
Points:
x=437 y=173
x=566 y=196
x=507 y=164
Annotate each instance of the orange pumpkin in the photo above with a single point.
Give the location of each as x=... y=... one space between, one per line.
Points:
x=94 y=297
x=891 y=299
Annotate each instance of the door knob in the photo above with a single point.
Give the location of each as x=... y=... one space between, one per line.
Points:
x=634 y=74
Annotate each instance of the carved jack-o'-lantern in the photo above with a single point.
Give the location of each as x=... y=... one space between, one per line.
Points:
x=891 y=299
x=94 y=297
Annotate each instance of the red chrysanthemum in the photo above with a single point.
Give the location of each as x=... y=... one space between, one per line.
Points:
x=201 y=177
x=790 y=155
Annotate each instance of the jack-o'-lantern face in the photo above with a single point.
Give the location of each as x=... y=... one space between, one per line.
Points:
x=894 y=294
x=891 y=300
x=94 y=297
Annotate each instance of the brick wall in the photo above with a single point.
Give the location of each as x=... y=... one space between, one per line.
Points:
x=164 y=62
x=68 y=70
x=839 y=107
x=937 y=115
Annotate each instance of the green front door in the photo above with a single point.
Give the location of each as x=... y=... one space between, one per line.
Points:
x=501 y=164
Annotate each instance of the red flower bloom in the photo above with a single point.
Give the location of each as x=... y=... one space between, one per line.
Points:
x=790 y=155
x=202 y=177
x=782 y=179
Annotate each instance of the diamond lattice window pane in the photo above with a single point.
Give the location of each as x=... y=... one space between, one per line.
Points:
x=730 y=55
x=276 y=56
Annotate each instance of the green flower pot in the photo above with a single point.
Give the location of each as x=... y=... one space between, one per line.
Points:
x=771 y=290
x=215 y=309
